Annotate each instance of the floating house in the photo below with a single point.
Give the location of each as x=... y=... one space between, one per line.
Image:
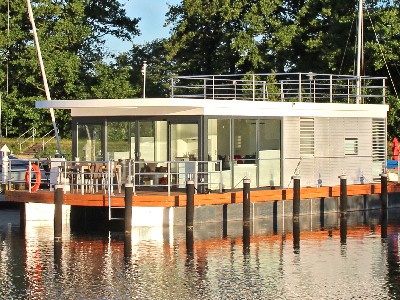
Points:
x=266 y=127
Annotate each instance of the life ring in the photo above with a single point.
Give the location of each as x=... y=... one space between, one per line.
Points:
x=35 y=168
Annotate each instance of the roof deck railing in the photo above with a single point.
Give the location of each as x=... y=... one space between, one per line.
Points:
x=289 y=87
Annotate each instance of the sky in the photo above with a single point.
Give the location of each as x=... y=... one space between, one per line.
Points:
x=152 y=14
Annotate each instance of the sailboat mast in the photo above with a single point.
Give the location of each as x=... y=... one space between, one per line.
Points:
x=46 y=87
x=8 y=42
x=359 y=49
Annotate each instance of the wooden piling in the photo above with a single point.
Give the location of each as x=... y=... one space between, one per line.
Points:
x=246 y=202
x=189 y=204
x=58 y=197
x=128 y=207
x=296 y=198
x=343 y=194
x=384 y=191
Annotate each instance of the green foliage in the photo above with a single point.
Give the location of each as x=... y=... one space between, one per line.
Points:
x=236 y=36
x=71 y=36
x=207 y=37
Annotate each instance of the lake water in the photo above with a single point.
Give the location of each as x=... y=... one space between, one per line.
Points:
x=322 y=257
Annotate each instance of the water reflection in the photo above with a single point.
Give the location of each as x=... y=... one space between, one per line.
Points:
x=246 y=240
x=296 y=237
x=343 y=229
x=127 y=245
x=261 y=261
x=384 y=224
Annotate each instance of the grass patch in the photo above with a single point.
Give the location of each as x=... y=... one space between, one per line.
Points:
x=49 y=151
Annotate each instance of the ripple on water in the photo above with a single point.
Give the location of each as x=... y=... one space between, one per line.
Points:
x=96 y=266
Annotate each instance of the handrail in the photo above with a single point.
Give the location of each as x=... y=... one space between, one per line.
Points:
x=105 y=176
x=44 y=143
x=294 y=87
x=32 y=136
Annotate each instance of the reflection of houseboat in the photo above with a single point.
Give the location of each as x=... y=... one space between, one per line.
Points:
x=266 y=127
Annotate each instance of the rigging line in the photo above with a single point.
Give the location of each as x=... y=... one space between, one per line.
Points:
x=345 y=49
x=383 y=55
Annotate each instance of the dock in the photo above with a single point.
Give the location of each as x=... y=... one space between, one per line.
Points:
x=178 y=199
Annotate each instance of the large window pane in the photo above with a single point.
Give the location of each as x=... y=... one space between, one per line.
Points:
x=184 y=142
x=245 y=151
x=219 y=145
x=161 y=138
x=89 y=142
x=269 y=153
x=118 y=140
x=146 y=145
x=152 y=141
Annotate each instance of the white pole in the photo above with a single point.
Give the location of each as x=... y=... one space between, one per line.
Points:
x=8 y=42
x=144 y=67
x=359 y=49
x=46 y=87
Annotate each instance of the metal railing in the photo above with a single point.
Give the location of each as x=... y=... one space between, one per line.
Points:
x=47 y=138
x=26 y=136
x=172 y=175
x=108 y=177
x=291 y=87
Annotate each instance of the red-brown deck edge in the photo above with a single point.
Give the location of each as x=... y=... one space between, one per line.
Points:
x=161 y=199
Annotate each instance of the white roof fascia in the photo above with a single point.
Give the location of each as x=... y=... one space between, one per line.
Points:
x=180 y=106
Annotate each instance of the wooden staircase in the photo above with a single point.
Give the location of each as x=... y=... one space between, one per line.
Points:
x=32 y=150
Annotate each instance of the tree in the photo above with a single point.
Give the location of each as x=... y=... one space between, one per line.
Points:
x=71 y=35
x=159 y=68
x=236 y=36
x=112 y=82
x=221 y=36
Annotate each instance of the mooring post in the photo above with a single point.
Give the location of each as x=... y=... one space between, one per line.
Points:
x=296 y=198
x=384 y=191
x=58 y=196
x=128 y=207
x=189 y=204
x=246 y=202
x=343 y=194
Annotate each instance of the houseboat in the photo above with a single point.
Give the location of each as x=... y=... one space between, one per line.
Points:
x=220 y=129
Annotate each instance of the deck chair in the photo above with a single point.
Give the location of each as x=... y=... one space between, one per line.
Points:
x=98 y=177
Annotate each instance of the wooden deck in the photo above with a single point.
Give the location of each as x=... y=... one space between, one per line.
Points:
x=161 y=199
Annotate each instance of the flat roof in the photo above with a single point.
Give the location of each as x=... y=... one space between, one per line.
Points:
x=209 y=107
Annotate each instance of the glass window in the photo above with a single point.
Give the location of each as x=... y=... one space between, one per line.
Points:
x=245 y=151
x=219 y=141
x=219 y=148
x=89 y=142
x=146 y=136
x=118 y=140
x=184 y=142
x=269 y=153
x=152 y=141
x=245 y=141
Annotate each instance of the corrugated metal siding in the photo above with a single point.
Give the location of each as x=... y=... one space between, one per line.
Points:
x=290 y=147
x=329 y=160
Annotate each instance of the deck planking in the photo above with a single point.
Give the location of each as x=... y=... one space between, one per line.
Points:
x=176 y=199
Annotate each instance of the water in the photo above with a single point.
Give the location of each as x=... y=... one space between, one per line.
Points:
x=323 y=258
